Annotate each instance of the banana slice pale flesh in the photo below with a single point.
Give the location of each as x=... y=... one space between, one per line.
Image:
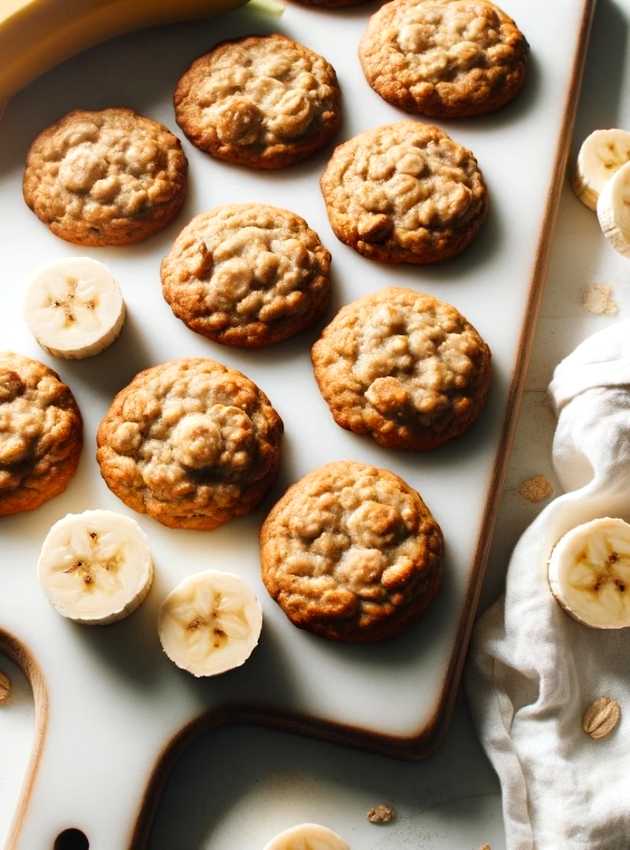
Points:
x=307 y=836
x=95 y=567
x=613 y=210
x=74 y=307
x=210 y=623
x=600 y=156
x=589 y=573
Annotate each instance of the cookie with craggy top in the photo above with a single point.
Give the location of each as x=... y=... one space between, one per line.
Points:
x=260 y=101
x=404 y=193
x=403 y=367
x=110 y=177
x=444 y=58
x=247 y=275
x=41 y=434
x=191 y=443
x=352 y=553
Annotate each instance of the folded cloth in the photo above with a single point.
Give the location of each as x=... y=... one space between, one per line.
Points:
x=533 y=670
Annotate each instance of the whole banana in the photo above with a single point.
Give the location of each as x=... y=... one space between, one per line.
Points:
x=36 y=35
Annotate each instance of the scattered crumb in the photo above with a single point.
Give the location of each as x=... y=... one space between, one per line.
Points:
x=485 y=847
x=381 y=814
x=536 y=489
x=598 y=299
x=5 y=687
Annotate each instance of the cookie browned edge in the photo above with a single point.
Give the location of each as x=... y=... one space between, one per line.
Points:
x=266 y=333
x=272 y=158
x=255 y=494
x=384 y=630
x=28 y=498
x=434 y=107
x=122 y=231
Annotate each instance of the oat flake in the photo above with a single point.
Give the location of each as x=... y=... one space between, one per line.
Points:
x=598 y=299
x=536 y=489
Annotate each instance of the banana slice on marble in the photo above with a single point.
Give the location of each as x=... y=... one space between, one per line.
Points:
x=95 y=567
x=210 y=623
x=589 y=573
x=600 y=156
x=613 y=210
x=307 y=836
x=74 y=307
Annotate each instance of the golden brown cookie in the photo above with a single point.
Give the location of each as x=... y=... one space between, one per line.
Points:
x=110 y=177
x=262 y=101
x=403 y=367
x=191 y=443
x=41 y=434
x=404 y=193
x=352 y=553
x=247 y=275
x=444 y=58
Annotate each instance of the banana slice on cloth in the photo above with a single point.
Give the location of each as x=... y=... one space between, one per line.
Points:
x=613 y=210
x=74 y=307
x=601 y=155
x=210 y=623
x=95 y=567
x=589 y=573
x=307 y=836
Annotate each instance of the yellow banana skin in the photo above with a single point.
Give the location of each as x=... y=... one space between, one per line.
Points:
x=36 y=35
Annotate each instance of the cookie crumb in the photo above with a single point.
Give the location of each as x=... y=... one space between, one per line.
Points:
x=598 y=299
x=536 y=489
x=381 y=814
x=485 y=847
x=5 y=687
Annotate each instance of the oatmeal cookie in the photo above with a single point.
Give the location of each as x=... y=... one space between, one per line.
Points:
x=110 y=177
x=41 y=434
x=404 y=193
x=403 y=367
x=352 y=553
x=191 y=443
x=261 y=101
x=444 y=58
x=247 y=275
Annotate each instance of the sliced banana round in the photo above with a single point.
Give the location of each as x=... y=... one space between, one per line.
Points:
x=95 y=567
x=589 y=573
x=74 y=307
x=613 y=210
x=307 y=836
x=210 y=623
x=600 y=156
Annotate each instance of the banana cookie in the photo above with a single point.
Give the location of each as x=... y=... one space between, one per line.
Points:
x=444 y=59
x=352 y=553
x=41 y=434
x=247 y=275
x=260 y=101
x=111 y=177
x=403 y=367
x=191 y=443
x=404 y=193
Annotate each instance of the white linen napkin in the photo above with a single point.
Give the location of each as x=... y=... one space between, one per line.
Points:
x=533 y=670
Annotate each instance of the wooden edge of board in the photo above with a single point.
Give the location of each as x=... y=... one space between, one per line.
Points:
x=427 y=738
